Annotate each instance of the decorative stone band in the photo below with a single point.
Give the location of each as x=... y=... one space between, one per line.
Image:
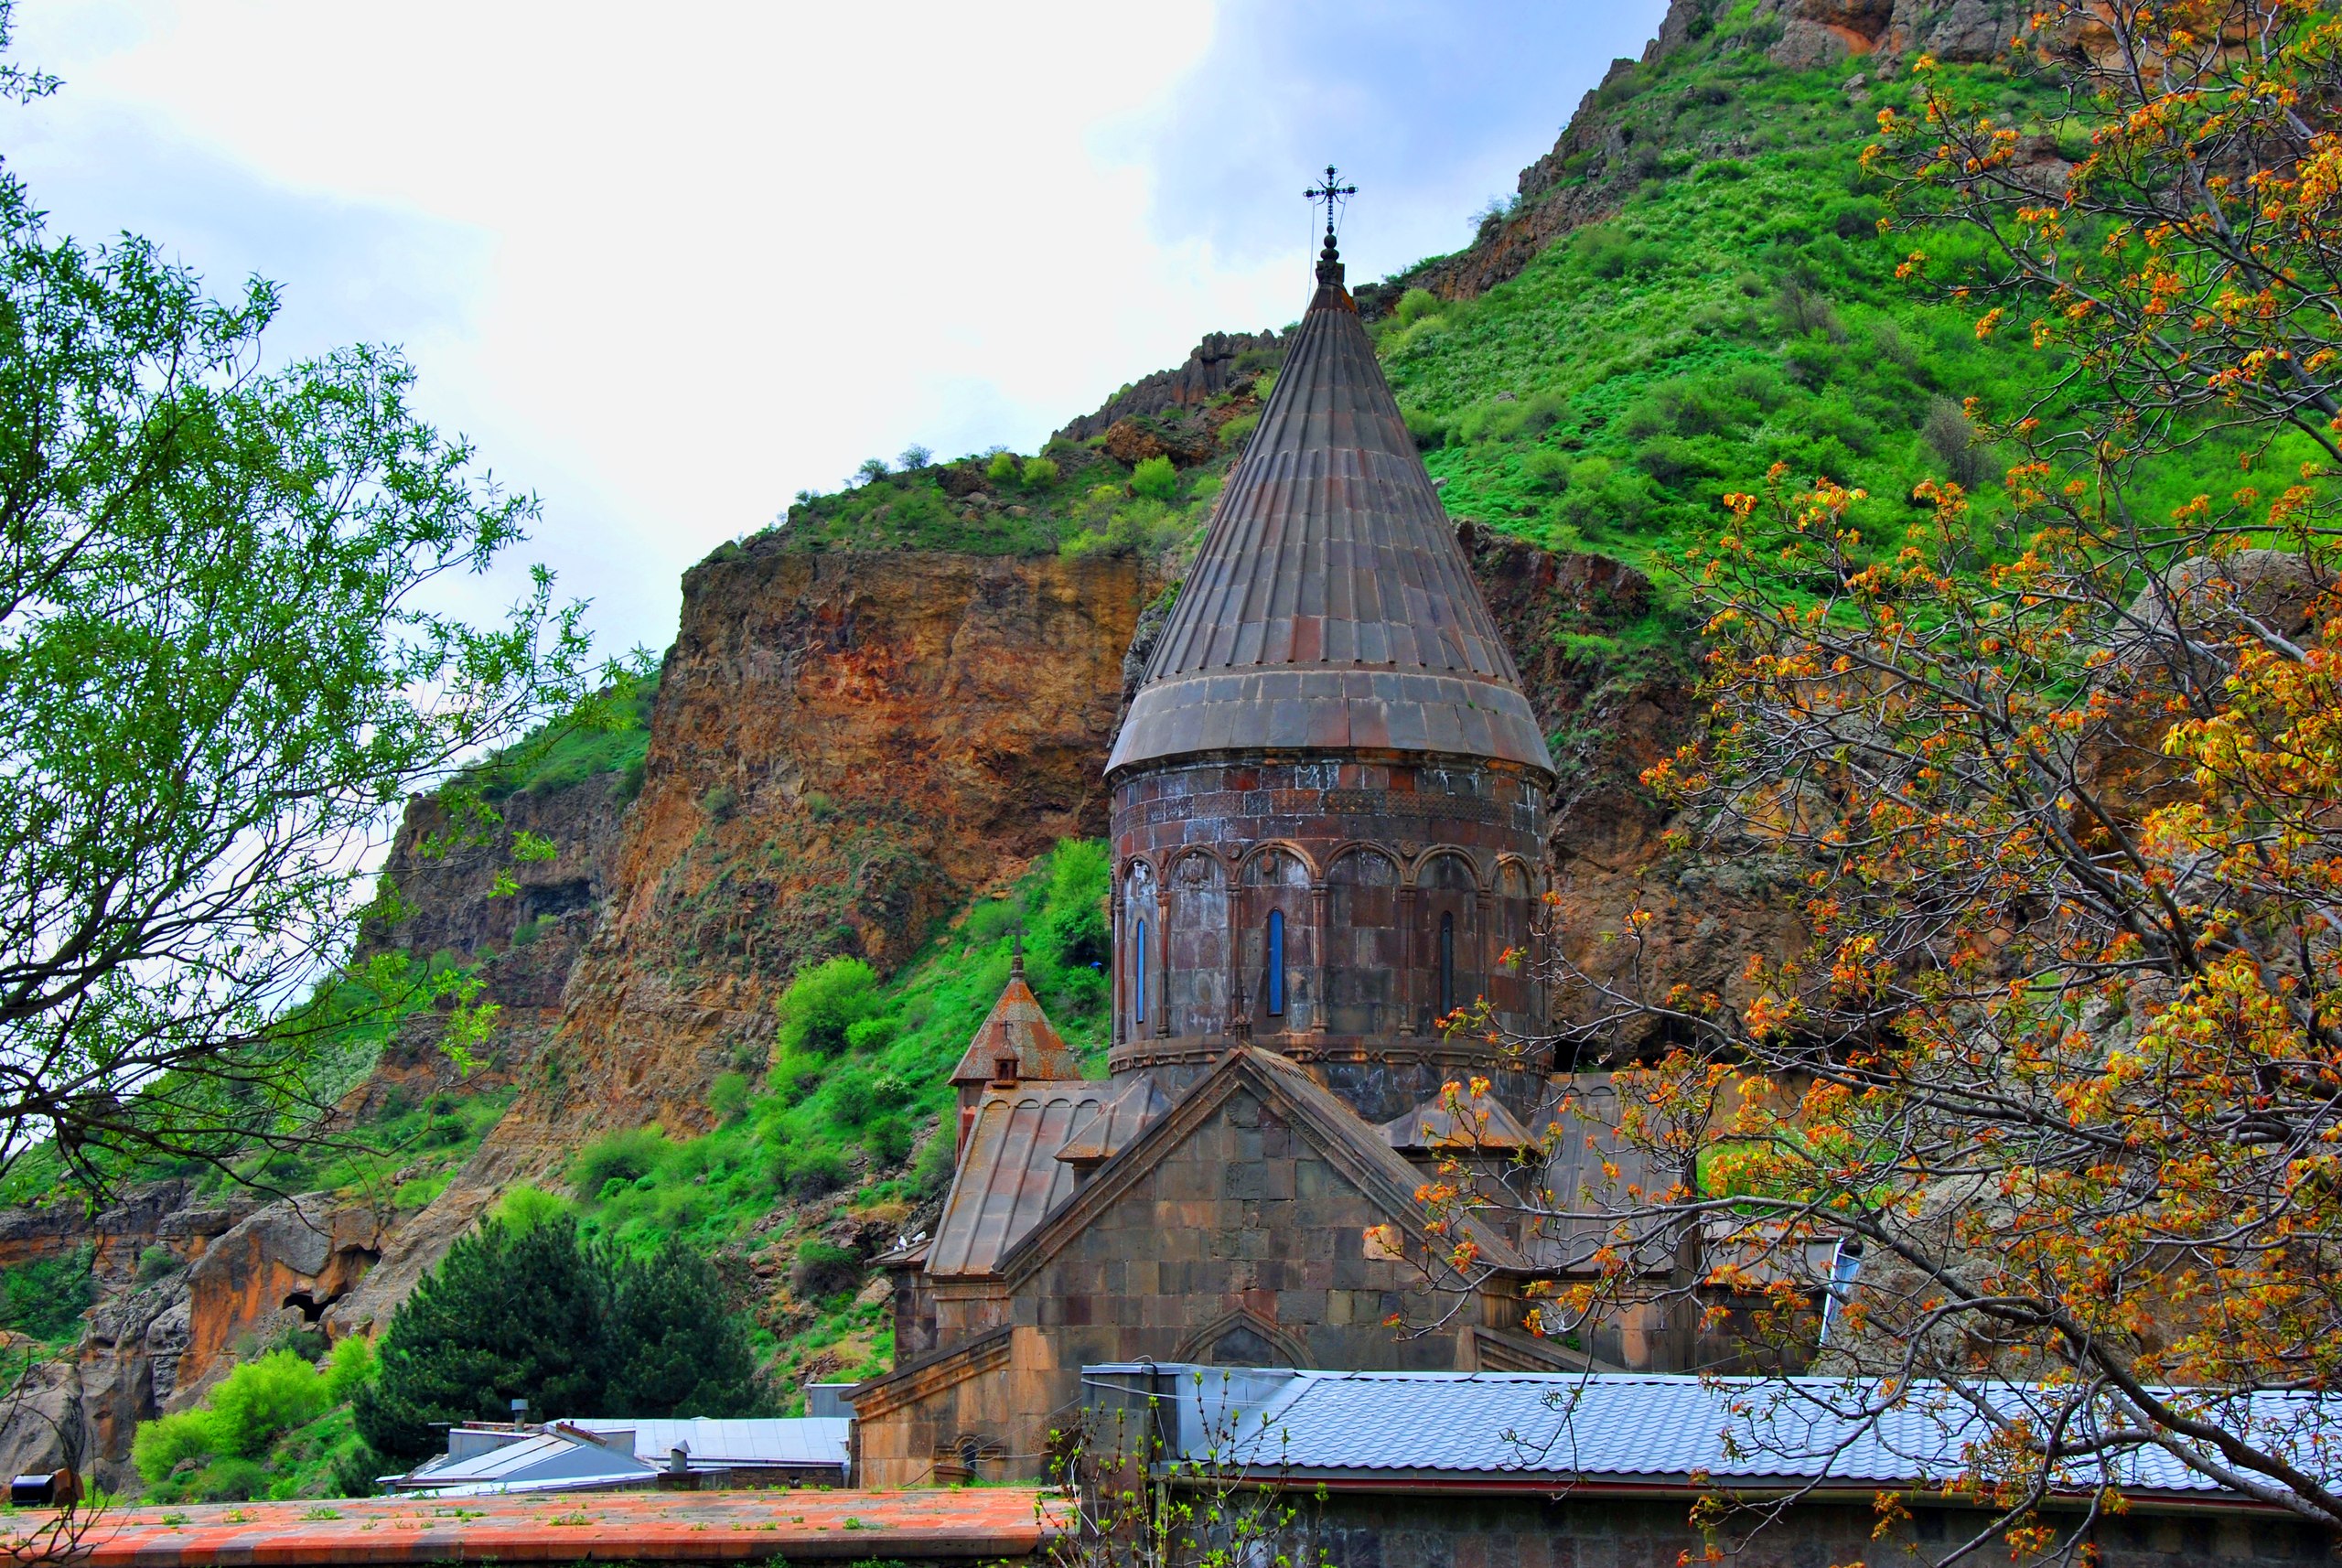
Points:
x=1450 y=1056
x=1331 y=707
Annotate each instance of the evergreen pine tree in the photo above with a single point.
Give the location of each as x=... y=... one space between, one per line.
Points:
x=508 y=1314
x=678 y=1350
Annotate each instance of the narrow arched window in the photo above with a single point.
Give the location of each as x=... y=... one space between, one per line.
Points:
x=1446 y=964
x=1274 y=990
x=1138 y=975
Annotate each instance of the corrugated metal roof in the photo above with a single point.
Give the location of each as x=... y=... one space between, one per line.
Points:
x=718 y=1443
x=1627 y=1427
x=1330 y=606
x=539 y=1456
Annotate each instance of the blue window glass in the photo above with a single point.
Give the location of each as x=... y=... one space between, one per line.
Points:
x=1138 y=975
x=1446 y=964
x=1276 y=987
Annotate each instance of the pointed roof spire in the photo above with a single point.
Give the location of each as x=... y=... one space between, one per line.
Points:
x=1016 y=1030
x=1331 y=606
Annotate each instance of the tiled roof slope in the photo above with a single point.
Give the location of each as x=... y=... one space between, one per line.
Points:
x=976 y=1524
x=1016 y=1022
x=1331 y=606
x=1009 y=1173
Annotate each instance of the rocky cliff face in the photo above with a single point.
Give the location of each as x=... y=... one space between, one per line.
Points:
x=845 y=748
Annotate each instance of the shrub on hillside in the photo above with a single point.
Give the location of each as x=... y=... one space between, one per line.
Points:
x=1003 y=469
x=728 y=1096
x=1414 y=305
x=809 y=1172
x=824 y=1002
x=255 y=1404
x=1155 y=478
x=1040 y=473
x=825 y=1269
x=622 y=1156
x=1548 y=470
x=46 y=1298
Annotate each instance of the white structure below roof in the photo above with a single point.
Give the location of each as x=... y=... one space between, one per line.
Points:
x=606 y=1454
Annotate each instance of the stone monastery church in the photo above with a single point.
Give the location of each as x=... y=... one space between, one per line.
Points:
x=1328 y=802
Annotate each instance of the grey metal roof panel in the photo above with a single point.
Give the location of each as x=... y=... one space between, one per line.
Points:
x=1627 y=1426
x=790 y=1440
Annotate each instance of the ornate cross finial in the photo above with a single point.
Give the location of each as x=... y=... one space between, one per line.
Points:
x=1330 y=194
x=1329 y=260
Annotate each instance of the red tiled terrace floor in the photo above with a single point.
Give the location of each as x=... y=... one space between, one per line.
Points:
x=650 y=1526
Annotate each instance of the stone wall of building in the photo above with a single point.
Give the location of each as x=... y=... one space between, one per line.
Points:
x=1403 y=890
x=1455 y=1529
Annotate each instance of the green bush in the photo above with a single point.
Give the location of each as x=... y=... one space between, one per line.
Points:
x=872 y=1034
x=231 y=1480
x=154 y=1262
x=1414 y=305
x=1233 y=432
x=822 y=1002
x=1155 y=478
x=809 y=1172
x=990 y=921
x=161 y=1445
x=1548 y=470
x=622 y=1156
x=825 y=1269
x=1003 y=469
x=1040 y=473
x=261 y=1398
x=525 y=1207
x=887 y=1140
x=46 y=1298
x=728 y=1096
x=353 y=1366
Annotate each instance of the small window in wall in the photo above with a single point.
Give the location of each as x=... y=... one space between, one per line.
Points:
x=1138 y=974
x=1274 y=989
x=1446 y=964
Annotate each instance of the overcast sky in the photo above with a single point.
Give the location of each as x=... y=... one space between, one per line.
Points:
x=668 y=264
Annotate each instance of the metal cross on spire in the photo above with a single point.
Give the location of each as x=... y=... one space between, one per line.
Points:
x=1330 y=194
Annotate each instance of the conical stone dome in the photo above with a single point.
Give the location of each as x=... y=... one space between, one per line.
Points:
x=1330 y=606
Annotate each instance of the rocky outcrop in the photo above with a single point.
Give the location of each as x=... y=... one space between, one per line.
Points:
x=183 y=1280
x=446 y=883
x=844 y=748
x=279 y=1268
x=1216 y=364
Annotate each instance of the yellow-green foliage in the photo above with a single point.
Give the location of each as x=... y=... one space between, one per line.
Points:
x=1040 y=473
x=1155 y=478
x=258 y=1402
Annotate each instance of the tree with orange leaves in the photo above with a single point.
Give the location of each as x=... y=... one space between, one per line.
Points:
x=2061 y=1062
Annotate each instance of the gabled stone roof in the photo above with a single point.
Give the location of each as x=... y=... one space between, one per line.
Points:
x=1017 y=1024
x=1331 y=606
x=1358 y=1149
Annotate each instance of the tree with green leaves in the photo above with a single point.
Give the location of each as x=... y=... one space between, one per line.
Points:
x=512 y=1312
x=536 y=1311
x=225 y=661
x=680 y=1350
